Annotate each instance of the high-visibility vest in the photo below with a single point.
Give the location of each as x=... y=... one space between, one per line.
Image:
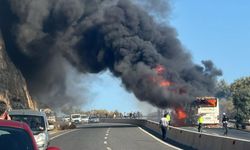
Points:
x=200 y=119
x=168 y=118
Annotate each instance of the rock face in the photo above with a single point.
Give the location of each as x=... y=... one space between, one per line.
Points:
x=13 y=88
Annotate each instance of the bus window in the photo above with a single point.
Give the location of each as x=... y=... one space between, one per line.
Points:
x=212 y=102
x=207 y=103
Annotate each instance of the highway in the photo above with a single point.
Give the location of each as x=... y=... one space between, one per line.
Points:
x=219 y=131
x=103 y=136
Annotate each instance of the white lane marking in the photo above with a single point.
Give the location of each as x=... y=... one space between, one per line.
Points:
x=105 y=142
x=159 y=139
x=108 y=148
x=62 y=134
x=107 y=134
x=105 y=138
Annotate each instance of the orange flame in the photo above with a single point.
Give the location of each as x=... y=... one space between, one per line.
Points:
x=212 y=102
x=165 y=83
x=160 y=80
x=160 y=69
x=181 y=114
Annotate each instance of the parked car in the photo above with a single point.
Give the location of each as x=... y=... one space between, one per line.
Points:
x=84 y=118
x=17 y=136
x=37 y=122
x=94 y=119
x=75 y=118
x=51 y=126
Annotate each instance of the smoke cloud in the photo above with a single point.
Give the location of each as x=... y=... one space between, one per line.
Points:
x=42 y=36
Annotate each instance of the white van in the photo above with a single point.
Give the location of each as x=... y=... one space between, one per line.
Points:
x=75 y=118
x=84 y=118
x=37 y=122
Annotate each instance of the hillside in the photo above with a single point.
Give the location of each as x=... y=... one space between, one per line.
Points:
x=13 y=88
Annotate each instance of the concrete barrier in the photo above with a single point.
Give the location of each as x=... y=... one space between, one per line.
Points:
x=196 y=140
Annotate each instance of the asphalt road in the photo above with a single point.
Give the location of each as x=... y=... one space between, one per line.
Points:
x=220 y=131
x=108 y=136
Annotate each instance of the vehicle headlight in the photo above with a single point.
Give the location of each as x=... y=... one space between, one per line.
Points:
x=40 y=139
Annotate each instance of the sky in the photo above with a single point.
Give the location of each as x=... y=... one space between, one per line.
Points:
x=215 y=30
x=107 y=92
x=209 y=30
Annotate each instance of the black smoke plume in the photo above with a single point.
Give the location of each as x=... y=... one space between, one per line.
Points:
x=43 y=36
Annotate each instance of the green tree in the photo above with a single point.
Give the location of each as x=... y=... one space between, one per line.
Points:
x=226 y=101
x=240 y=91
x=227 y=106
x=223 y=90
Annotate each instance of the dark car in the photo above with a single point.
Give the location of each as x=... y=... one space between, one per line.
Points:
x=17 y=136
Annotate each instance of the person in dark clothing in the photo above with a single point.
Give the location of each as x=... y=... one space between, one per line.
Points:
x=224 y=123
x=237 y=122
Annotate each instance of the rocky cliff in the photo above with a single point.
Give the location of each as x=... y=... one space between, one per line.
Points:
x=13 y=88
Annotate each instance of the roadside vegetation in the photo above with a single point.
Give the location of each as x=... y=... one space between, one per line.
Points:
x=235 y=99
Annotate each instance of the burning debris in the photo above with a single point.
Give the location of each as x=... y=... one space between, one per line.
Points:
x=181 y=114
x=97 y=35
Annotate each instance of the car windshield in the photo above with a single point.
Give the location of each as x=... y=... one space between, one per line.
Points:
x=36 y=123
x=14 y=139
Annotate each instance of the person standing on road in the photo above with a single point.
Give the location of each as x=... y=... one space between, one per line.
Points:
x=3 y=111
x=200 y=122
x=164 y=124
x=224 y=123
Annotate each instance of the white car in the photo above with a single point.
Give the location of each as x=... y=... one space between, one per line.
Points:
x=75 y=118
x=37 y=122
x=51 y=126
x=94 y=119
x=84 y=118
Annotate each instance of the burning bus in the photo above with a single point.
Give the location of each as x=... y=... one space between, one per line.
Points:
x=206 y=106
